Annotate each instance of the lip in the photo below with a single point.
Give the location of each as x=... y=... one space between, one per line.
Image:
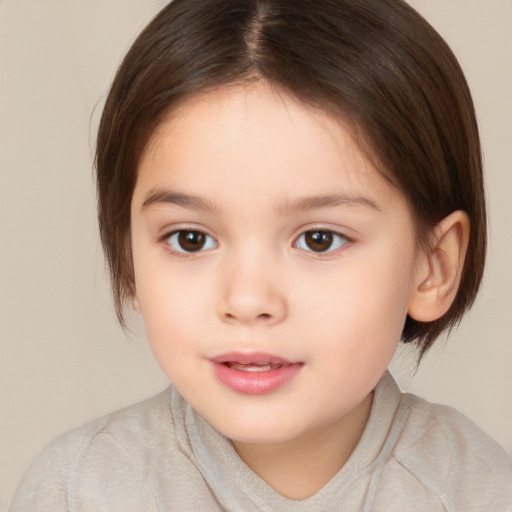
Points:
x=274 y=373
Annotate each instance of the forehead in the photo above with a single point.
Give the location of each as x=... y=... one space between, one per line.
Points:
x=256 y=137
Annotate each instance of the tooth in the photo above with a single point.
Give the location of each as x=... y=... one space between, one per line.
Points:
x=262 y=368
x=254 y=367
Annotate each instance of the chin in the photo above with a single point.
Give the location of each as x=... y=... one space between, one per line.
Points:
x=257 y=433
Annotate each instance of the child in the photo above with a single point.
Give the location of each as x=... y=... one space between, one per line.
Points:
x=286 y=189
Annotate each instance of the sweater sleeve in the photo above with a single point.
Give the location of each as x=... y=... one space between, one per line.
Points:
x=45 y=485
x=455 y=460
x=84 y=471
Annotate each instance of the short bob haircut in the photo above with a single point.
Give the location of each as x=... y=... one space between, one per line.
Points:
x=375 y=63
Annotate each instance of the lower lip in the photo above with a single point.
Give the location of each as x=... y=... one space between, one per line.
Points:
x=255 y=383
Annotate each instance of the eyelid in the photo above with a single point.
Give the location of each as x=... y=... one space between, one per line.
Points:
x=166 y=238
x=336 y=233
x=165 y=232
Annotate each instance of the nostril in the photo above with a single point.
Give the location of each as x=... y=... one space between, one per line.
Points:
x=251 y=310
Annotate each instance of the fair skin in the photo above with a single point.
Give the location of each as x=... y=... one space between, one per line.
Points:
x=265 y=243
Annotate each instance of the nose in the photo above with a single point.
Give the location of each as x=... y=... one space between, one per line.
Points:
x=252 y=293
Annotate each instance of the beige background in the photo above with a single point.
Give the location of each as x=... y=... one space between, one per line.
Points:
x=63 y=358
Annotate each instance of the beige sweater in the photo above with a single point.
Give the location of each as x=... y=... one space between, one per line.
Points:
x=159 y=455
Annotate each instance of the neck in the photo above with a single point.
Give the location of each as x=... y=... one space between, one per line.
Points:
x=300 y=467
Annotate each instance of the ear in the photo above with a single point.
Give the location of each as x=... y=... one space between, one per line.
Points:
x=439 y=271
x=135 y=304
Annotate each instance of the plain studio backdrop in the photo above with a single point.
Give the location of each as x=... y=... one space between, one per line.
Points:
x=63 y=358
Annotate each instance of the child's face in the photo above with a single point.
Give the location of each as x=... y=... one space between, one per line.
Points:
x=261 y=234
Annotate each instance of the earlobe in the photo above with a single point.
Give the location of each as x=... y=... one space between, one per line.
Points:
x=439 y=272
x=135 y=304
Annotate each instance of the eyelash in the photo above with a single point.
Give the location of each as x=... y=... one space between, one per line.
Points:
x=175 y=236
x=175 y=239
x=333 y=238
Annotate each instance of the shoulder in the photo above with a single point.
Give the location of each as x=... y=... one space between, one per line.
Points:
x=114 y=447
x=453 y=458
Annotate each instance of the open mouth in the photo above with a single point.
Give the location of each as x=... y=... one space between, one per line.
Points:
x=254 y=367
x=254 y=374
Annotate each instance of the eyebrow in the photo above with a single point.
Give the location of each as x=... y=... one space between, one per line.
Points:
x=328 y=201
x=157 y=196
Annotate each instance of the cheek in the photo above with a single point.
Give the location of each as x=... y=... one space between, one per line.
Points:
x=162 y=297
x=177 y=307
x=170 y=316
x=364 y=305
x=167 y=302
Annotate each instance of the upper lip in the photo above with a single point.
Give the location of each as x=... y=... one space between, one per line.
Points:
x=251 y=358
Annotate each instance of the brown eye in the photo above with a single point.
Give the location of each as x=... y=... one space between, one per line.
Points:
x=191 y=241
x=319 y=240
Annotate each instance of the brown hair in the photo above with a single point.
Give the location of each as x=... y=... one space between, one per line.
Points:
x=377 y=63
